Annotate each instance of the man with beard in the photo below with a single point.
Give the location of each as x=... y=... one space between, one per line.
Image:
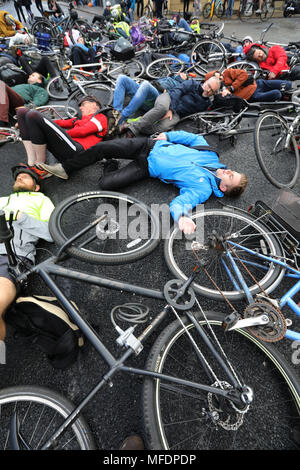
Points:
x=29 y=210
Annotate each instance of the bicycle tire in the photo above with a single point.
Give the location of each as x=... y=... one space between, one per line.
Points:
x=251 y=67
x=35 y=407
x=180 y=259
x=59 y=88
x=246 y=10
x=124 y=245
x=178 y=419
x=206 y=10
x=133 y=68
x=270 y=134
x=205 y=123
x=219 y=10
x=8 y=135
x=43 y=26
x=267 y=10
x=96 y=89
x=164 y=67
x=208 y=55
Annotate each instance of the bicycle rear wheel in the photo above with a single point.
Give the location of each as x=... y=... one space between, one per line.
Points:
x=95 y=89
x=56 y=111
x=250 y=67
x=40 y=412
x=280 y=165
x=133 y=68
x=208 y=55
x=129 y=232
x=206 y=10
x=242 y=229
x=219 y=10
x=246 y=10
x=83 y=27
x=60 y=88
x=164 y=67
x=181 y=418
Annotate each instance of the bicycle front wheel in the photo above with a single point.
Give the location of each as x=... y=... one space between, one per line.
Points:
x=208 y=55
x=129 y=229
x=242 y=229
x=246 y=10
x=164 y=67
x=40 y=412
x=60 y=88
x=279 y=164
x=219 y=10
x=95 y=89
x=206 y=10
x=133 y=68
x=182 y=418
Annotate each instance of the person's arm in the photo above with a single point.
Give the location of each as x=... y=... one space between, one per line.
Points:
x=280 y=59
x=177 y=92
x=98 y=124
x=34 y=220
x=234 y=79
x=185 y=138
x=183 y=204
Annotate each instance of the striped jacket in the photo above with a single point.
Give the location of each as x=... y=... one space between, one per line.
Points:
x=87 y=131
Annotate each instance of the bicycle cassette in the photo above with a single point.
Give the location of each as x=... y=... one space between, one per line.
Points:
x=272 y=331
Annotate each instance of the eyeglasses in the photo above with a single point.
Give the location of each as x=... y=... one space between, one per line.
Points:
x=209 y=89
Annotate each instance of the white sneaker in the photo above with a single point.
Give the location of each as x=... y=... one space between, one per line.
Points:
x=56 y=170
x=258 y=11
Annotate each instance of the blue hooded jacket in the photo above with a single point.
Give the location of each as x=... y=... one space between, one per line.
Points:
x=176 y=161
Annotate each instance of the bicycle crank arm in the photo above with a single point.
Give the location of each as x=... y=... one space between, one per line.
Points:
x=248 y=322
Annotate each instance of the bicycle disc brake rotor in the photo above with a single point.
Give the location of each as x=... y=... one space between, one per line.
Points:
x=227 y=416
x=272 y=331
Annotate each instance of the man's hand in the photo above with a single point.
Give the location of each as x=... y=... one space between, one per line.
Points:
x=271 y=76
x=225 y=92
x=168 y=115
x=183 y=76
x=16 y=215
x=186 y=225
x=161 y=136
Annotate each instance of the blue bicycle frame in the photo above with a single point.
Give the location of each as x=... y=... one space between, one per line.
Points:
x=287 y=299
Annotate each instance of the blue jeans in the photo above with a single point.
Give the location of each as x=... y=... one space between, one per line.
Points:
x=143 y=96
x=269 y=90
x=184 y=24
x=229 y=10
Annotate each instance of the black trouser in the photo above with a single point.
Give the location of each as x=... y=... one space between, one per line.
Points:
x=139 y=8
x=136 y=149
x=41 y=130
x=19 y=11
x=39 y=6
x=44 y=67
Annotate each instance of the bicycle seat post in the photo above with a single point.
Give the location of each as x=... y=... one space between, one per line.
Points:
x=5 y=237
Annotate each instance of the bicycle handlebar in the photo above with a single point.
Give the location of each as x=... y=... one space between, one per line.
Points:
x=5 y=233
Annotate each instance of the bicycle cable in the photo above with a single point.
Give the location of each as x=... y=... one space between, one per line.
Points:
x=130 y=313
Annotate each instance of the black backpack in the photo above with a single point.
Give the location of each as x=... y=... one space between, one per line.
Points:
x=41 y=320
x=12 y=75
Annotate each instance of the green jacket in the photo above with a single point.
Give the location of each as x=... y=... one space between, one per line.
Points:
x=35 y=94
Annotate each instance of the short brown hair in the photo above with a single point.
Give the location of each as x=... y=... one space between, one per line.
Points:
x=238 y=190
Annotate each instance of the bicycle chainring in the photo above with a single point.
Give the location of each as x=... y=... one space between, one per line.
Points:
x=274 y=330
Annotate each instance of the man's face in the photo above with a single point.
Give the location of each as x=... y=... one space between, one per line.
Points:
x=210 y=88
x=34 y=78
x=88 y=107
x=246 y=43
x=229 y=179
x=259 y=55
x=25 y=182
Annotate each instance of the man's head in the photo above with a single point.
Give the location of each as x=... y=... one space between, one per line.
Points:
x=257 y=54
x=232 y=183
x=211 y=87
x=26 y=179
x=89 y=105
x=35 y=77
x=247 y=40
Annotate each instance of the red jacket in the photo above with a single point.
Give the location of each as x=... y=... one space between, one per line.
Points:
x=87 y=131
x=276 y=60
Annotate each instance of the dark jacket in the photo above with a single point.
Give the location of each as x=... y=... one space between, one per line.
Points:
x=187 y=98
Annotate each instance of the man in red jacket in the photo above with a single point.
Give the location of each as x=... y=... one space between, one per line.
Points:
x=63 y=137
x=273 y=59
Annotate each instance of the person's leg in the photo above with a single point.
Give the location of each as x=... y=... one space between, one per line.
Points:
x=184 y=24
x=146 y=124
x=24 y=134
x=8 y=293
x=294 y=74
x=45 y=67
x=117 y=148
x=9 y=101
x=144 y=97
x=265 y=92
x=25 y=65
x=124 y=86
x=129 y=174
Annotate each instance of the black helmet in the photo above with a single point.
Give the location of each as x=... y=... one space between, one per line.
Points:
x=16 y=170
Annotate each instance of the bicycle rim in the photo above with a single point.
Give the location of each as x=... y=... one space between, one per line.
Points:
x=206 y=10
x=129 y=232
x=40 y=412
x=133 y=69
x=95 y=89
x=57 y=111
x=8 y=135
x=164 y=68
x=250 y=234
x=204 y=123
x=208 y=55
x=280 y=165
x=181 y=418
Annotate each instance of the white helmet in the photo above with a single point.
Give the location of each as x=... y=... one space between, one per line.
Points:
x=108 y=4
x=247 y=38
x=114 y=13
x=9 y=20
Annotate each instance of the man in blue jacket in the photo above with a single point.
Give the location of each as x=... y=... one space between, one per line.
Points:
x=181 y=158
x=188 y=97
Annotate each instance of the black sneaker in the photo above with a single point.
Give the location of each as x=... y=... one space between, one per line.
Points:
x=110 y=165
